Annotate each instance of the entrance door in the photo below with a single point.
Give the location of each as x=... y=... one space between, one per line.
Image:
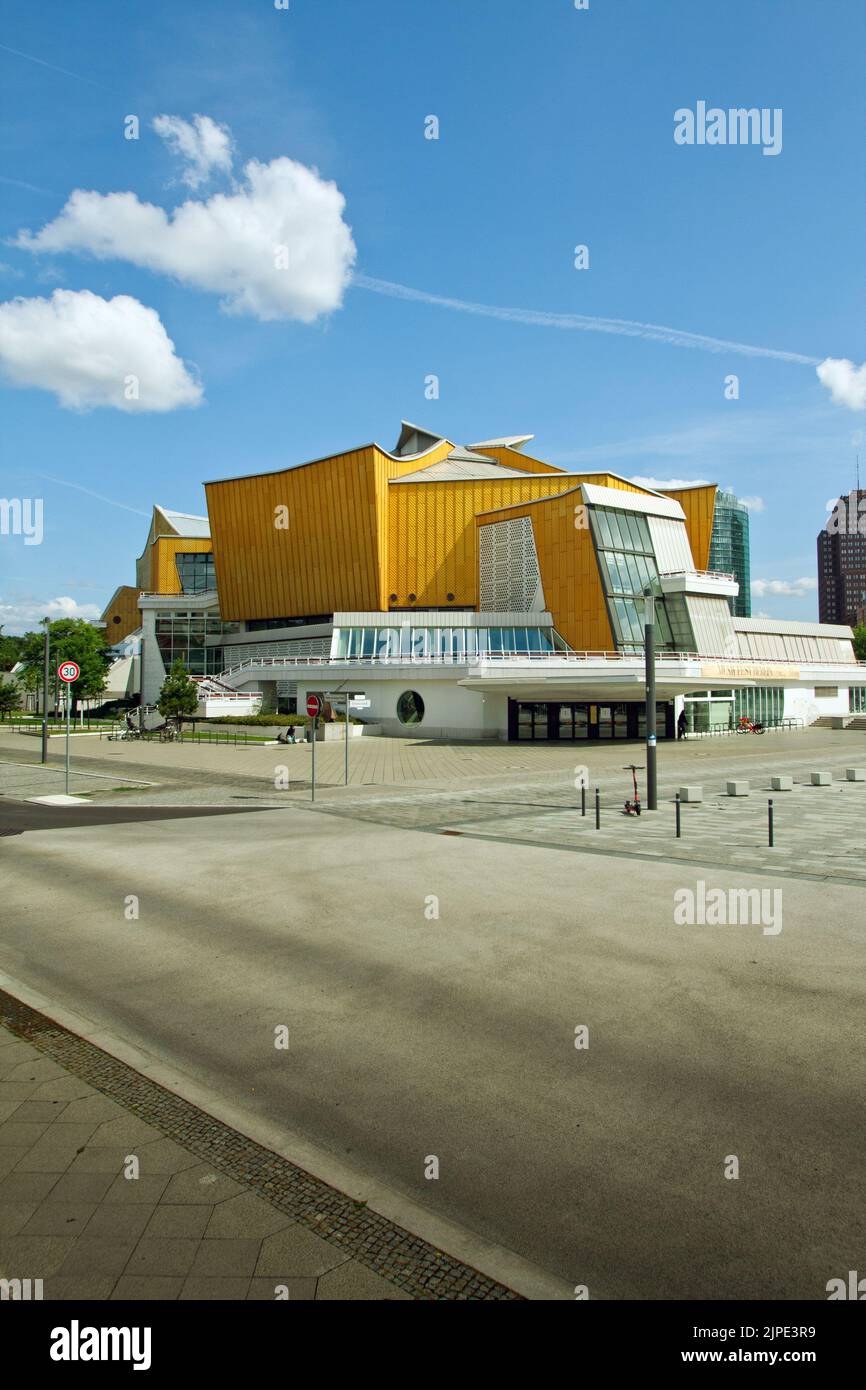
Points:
x=532 y=721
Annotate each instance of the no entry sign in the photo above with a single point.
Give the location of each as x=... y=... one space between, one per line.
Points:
x=69 y=671
x=314 y=706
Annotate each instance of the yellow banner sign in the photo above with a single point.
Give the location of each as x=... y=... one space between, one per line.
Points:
x=751 y=670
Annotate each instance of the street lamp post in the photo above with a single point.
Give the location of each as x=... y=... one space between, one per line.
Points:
x=45 y=678
x=650 y=708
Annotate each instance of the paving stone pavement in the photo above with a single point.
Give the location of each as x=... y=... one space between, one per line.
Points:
x=98 y=1203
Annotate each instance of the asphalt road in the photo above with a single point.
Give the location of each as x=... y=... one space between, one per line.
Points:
x=452 y=1035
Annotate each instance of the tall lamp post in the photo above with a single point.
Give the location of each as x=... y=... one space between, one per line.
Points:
x=45 y=678
x=650 y=708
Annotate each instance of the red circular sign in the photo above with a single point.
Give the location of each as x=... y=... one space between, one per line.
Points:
x=314 y=706
x=69 y=671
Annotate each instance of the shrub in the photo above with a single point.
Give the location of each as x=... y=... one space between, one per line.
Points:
x=276 y=721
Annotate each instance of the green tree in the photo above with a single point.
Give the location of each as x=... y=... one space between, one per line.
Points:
x=860 y=642
x=72 y=639
x=10 y=649
x=10 y=698
x=179 y=694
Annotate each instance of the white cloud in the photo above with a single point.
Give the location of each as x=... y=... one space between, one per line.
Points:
x=94 y=352
x=845 y=382
x=659 y=484
x=24 y=615
x=205 y=147
x=754 y=504
x=790 y=588
x=276 y=248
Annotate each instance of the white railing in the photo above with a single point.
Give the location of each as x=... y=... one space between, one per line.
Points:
x=696 y=574
x=570 y=658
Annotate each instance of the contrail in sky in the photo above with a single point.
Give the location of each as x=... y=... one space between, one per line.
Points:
x=587 y=323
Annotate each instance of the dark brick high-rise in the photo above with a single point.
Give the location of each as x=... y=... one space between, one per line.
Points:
x=842 y=561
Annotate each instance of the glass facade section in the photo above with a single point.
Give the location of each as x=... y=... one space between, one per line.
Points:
x=458 y=644
x=729 y=549
x=195 y=572
x=762 y=704
x=189 y=635
x=857 y=699
x=627 y=566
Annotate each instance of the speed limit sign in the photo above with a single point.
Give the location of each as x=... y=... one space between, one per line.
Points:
x=69 y=671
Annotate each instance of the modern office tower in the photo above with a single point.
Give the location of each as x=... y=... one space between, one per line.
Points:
x=842 y=560
x=729 y=549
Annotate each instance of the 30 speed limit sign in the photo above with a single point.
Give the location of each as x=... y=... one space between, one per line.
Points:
x=69 y=671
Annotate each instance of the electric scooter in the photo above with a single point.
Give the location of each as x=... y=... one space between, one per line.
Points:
x=632 y=808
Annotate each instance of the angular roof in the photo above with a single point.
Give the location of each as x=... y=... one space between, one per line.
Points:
x=509 y=441
x=460 y=463
x=182 y=524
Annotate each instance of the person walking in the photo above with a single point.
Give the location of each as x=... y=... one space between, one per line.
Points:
x=681 y=725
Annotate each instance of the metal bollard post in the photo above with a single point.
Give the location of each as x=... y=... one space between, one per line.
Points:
x=678 y=817
x=583 y=799
x=597 y=809
x=770 y=822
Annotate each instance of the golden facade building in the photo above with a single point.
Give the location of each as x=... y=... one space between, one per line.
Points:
x=469 y=591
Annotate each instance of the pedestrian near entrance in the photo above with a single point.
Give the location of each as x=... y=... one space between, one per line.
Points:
x=681 y=724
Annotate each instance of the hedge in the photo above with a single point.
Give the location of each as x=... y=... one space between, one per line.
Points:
x=278 y=721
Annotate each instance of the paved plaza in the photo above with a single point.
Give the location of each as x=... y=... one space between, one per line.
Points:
x=432 y=985
x=514 y=792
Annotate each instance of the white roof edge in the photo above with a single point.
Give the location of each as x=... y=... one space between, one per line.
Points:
x=508 y=441
x=792 y=626
x=651 y=502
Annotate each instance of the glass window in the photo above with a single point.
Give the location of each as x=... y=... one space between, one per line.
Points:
x=410 y=707
x=195 y=572
x=602 y=520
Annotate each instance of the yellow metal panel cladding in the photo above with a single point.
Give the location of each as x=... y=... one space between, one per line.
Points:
x=432 y=539
x=327 y=557
x=121 y=616
x=164 y=578
x=515 y=458
x=699 y=505
x=570 y=579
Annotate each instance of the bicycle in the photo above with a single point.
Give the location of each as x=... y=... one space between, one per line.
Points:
x=747 y=727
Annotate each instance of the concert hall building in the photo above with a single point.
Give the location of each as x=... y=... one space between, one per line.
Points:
x=467 y=592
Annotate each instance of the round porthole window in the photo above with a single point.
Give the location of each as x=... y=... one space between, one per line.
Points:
x=410 y=707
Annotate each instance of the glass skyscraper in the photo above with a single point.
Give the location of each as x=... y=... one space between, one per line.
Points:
x=729 y=549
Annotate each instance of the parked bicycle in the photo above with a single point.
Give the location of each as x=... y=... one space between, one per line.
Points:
x=746 y=726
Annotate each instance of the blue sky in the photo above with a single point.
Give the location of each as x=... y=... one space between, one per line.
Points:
x=556 y=129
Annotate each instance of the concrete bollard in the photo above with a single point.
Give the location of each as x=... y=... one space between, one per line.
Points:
x=820 y=779
x=691 y=793
x=855 y=774
x=737 y=788
x=782 y=783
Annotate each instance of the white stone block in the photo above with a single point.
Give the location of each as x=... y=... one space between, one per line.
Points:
x=782 y=783
x=855 y=774
x=820 y=779
x=691 y=793
x=737 y=788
